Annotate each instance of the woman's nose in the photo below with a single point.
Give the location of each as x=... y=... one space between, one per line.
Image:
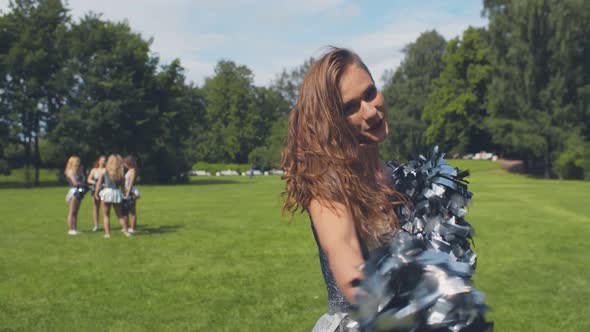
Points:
x=369 y=110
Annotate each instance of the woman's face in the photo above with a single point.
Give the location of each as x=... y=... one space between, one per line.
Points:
x=363 y=104
x=102 y=162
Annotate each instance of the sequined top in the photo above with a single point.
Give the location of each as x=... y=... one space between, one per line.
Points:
x=336 y=300
x=108 y=182
x=78 y=177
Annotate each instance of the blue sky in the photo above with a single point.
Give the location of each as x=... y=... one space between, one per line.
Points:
x=268 y=36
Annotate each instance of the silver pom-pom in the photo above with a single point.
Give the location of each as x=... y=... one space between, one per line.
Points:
x=421 y=279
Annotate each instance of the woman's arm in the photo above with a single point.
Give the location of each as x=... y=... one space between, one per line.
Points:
x=98 y=183
x=337 y=234
x=70 y=175
x=131 y=181
x=90 y=177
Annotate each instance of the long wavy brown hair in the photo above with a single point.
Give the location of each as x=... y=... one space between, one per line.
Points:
x=324 y=160
x=96 y=163
x=130 y=162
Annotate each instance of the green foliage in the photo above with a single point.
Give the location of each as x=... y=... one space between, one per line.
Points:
x=4 y=168
x=406 y=93
x=286 y=87
x=456 y=105
x=237 y=116
x=574 y=160
x=520 y=88
x=32 y=55
x=540 y=51
x=119 y=102
x=288 y=82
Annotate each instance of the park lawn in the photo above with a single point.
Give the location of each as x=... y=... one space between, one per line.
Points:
x=16 y=178
x=217 y=255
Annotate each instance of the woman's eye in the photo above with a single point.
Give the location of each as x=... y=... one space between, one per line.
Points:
x=350 y=109
x=371 y=93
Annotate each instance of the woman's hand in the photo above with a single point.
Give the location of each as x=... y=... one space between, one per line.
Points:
x=72 y=178
x=90 y=180
x=98 y=184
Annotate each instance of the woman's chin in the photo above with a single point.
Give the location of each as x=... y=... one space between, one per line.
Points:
x=376 y=136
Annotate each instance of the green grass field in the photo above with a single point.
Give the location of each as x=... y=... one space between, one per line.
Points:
x=216 y=255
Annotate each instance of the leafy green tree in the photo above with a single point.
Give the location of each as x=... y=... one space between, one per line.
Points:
x=33 y=36
x=121 y=102
x=406 y=93
x=108 y=72
x=288 y=82
x=538 y=98
x=285 y=89
x=238 y=115
x=456 y=106
x=167 y=155
x=6 y=41
x=228 y=96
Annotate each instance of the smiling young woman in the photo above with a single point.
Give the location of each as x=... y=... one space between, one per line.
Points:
x=333 y=172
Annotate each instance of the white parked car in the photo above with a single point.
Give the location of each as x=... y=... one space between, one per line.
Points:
x=196 y=172
x=227 y=172
x=247 y=173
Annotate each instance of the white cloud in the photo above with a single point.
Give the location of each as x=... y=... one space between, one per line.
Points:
x=200 y=32
x=382 y=50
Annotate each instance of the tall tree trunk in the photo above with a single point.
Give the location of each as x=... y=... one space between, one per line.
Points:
x=27 y=157
x=546 y=167
x=547 y=160
x=37 y=157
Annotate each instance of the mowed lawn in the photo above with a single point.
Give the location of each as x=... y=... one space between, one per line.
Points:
x=217 y=255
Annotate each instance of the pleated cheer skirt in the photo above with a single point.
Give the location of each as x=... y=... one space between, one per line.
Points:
x=110 y=195
x=70 y=193
x=134 y=191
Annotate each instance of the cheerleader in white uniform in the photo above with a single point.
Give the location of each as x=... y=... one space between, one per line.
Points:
x=112 y=180
x=92 y=179
x=131 y=192
x=75 y=178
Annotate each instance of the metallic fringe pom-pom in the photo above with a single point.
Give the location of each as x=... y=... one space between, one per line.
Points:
x=81 y=190
x=421 y=279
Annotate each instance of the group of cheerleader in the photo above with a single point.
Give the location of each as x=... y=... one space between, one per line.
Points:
x=111 y=183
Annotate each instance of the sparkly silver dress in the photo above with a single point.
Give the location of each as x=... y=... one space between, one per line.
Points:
x=338 y=306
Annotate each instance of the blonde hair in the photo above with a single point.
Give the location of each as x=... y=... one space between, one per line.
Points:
x=324 y=160
x=114 y=168
x=73 y=164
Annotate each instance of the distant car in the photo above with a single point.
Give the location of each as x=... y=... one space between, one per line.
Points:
x=200 y=173
x=468 y=156
x=227 y=172
x=255 y=172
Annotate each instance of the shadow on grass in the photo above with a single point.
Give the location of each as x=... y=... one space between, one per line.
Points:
x=143 y=230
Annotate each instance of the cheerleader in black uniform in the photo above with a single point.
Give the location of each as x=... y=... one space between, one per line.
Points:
x=112 y=180
x=360 y=217
x=333 y=172
x=75 y=177
x=92 y=179
x=131 y=191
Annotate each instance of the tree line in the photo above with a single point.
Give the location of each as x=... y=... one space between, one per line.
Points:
x=519 y=87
